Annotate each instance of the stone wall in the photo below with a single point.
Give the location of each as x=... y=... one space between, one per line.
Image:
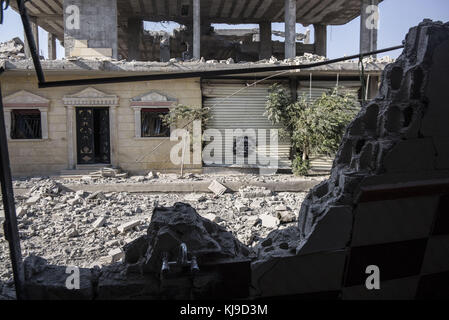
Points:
x=51 y=156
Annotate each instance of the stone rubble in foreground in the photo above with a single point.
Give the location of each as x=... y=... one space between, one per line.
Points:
x=87 y=229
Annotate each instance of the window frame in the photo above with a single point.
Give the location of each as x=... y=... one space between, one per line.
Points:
x=138 y=121
x=157 y=112
x=8 y=111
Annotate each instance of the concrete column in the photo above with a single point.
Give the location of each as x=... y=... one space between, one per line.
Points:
x=138 y=122
x=114 y=135
x=135 y=31
x=90 y=28
x=51 y=47
x=44 y=123
x=71 y=143
x=7 y=113
x=35 y=31
x=266 y=47
x=369 y=19
x=290 y=29
x=373 y=87
x=320 y=39
x=196 y=29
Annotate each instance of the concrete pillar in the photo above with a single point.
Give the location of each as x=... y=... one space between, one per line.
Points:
x=7 y=113
x=320 y=39
x=135 y=31
x=290 y=29
x=44 y=123
x=164 y=51
x=196 y=29
x=35 y=31
x=51 y=47
x=90 y=28
x=71 y=137
x=266 y=47
x=369 y=23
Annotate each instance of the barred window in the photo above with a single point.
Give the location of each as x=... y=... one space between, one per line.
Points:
x=152 y=125
x=26 y=124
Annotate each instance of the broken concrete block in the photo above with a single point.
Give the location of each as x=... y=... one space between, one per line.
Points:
x=21 y=211
x=241 y=207
x=97 y=195
x=269 y=221
x=74 y=201
x=195 y=197
x=151 y=175
x=212 y=217
x=128 y=226
x=286 y=216
x=138 y=178
x=253 y=220
x=99 y=222
x=116 y=254
x=71 y=233
x=281 y=207
x=217 y=188
x=33 y=200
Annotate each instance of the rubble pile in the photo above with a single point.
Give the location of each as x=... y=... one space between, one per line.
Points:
x=87 y=229
x=12 y=49
x=157 y=177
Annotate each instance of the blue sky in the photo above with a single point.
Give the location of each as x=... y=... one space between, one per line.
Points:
x=396 y=18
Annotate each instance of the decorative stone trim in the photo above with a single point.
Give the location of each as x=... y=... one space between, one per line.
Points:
x=91 y=97
x=26 y=100
x=149 y=100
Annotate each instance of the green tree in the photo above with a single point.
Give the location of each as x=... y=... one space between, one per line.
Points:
x=314 y=127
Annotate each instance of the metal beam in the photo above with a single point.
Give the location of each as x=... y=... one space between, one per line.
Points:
x=10 y=225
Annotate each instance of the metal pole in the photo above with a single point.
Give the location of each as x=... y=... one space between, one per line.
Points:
x=10 y=224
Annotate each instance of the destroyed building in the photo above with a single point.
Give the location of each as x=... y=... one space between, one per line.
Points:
x=123 y=119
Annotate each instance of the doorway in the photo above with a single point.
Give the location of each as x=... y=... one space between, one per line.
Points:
x=93 y=135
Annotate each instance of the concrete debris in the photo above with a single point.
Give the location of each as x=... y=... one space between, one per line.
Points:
x=254 y=192
x=194 y=197
x=116 y=255
x=171 y=226
x=128 y=226
x=108 y=173
x=12 y=49
x=21 y=211
x=45 y=228
x=99 y=222
x=269 y=221
x=217 y=188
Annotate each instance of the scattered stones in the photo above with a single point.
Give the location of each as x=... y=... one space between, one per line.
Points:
x=70 y=229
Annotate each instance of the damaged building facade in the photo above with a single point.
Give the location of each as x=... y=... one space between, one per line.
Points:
x=119 y=125
x=384 y=206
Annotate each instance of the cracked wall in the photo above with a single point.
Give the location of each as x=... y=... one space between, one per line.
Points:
x=385 y=202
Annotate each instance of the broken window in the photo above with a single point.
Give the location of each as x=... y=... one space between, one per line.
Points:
x=26 y=124
x=152 y=125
